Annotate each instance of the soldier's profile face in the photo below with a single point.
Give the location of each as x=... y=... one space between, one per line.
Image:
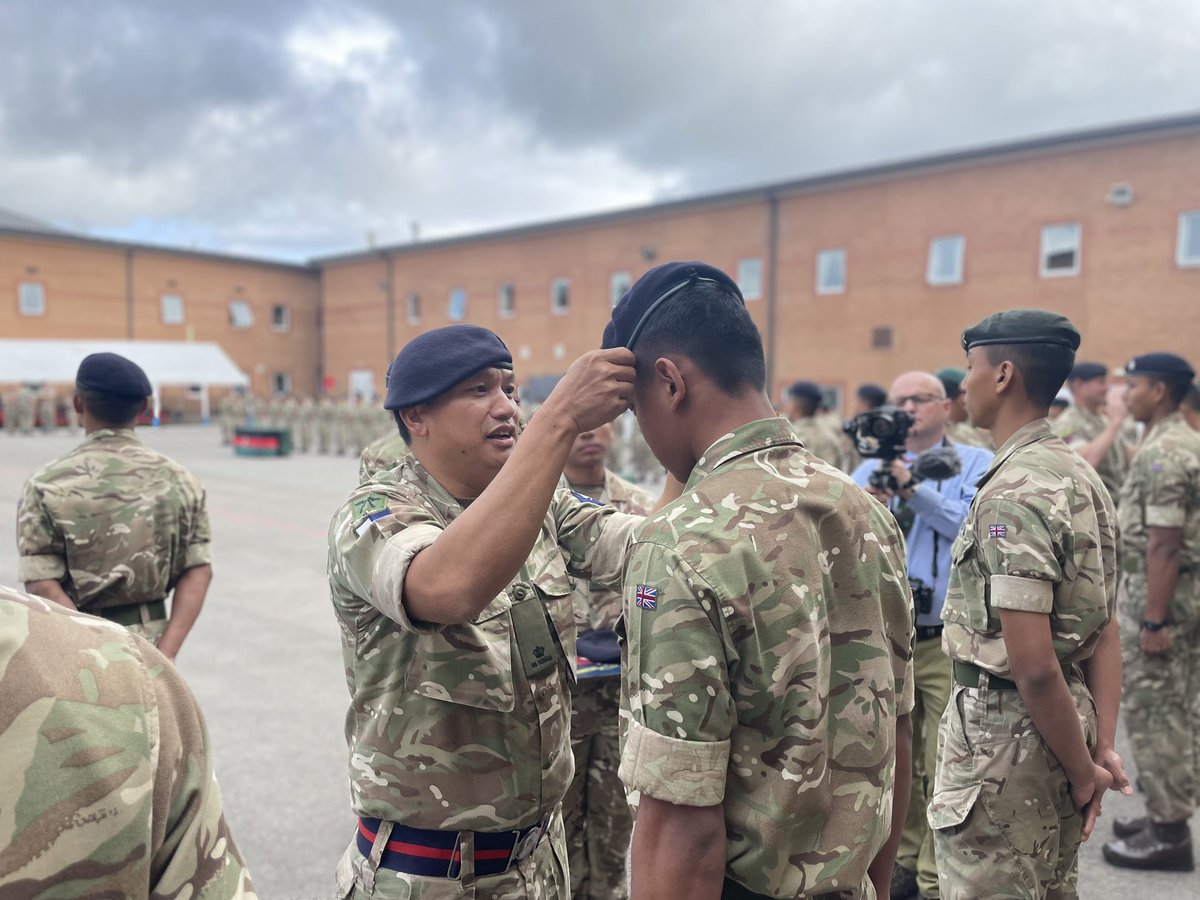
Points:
x=978 y=388
x=1140 y=397
x=475 y=422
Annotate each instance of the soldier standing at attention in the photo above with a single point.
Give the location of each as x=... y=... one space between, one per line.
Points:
x=449 y=579
x=1159 y=610
x=769 y=625
x=1026 y=742
x=595 y=811
x=109 y=785
x=1097 y=425
x=804 y=401
x=113 y=527
x=959 y=427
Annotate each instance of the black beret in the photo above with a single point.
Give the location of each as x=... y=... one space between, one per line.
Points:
x=1160 y=365
x=647 y=294
x=1086 y=371
x=872 y=394
x=809 y=389
x=112 y=374
x=1023 y=326
x=433 y=362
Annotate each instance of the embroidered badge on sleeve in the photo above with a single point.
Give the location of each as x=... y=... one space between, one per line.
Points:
x=997 y=531
x=646 y=597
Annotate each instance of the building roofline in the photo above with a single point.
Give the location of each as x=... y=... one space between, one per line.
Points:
x=1103 y=136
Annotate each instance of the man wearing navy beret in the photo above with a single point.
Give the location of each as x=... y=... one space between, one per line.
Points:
x=1158 y=607
x=114 y=527
x=451 y=578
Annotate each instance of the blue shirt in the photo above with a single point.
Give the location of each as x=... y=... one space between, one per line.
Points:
x=940 y=508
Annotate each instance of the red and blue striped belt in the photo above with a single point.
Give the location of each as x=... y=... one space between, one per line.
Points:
x=438 y=854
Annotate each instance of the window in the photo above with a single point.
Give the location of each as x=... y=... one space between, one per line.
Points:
x=281 y=317
x=560 y=296
x=413 y=309
x=506 y=301
x=881 y=338
x=618 y=284
x=31 y=298
x=749 y=277
x=172 y=309
x=281 y=383
x=831 y=272
x=946 y=260
x=240 y=314
x=1060 y=250
x=457 y=310
x=1187 y=244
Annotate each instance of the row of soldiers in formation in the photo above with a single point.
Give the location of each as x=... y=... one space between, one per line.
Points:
x=41 y=407
x=327 y=425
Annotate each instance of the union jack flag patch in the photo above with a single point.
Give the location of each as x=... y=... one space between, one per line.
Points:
x=646 y=597
x=998 y=531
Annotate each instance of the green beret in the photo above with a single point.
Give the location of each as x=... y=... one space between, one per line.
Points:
x=1023 y=326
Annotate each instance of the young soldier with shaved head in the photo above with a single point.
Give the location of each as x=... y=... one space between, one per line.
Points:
x=769 y=624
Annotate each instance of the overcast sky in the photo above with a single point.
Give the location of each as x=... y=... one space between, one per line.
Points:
x=290 y=128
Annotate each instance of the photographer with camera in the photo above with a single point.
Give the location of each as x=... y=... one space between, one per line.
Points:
x=927 y=482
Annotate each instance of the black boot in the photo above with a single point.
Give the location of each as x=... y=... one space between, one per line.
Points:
x=1125 y=826
x=904 y=883
x=1164 y=845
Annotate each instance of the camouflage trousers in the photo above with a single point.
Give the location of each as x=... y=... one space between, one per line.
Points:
x=543 y=876
x=596 y=813
x=1004 y=824
x=1161 y=699
x=931 y=678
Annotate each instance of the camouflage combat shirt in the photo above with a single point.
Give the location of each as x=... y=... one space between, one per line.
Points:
x=1163 y=491
x=108 y=786
x=460 y=727
x=1041 y=536
x=769 y=626
x=114 y=521
x=1078 y=426
x=820 y=441
x=382 y=453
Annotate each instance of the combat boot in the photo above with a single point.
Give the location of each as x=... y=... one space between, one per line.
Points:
x=1164 y=845
x=1127 y=826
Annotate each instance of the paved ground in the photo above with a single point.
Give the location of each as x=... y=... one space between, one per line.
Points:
x=265 y=662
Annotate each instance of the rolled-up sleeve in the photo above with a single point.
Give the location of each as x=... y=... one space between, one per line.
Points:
x=1021 y=552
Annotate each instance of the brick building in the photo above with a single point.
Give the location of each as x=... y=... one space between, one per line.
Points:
x=852 y=277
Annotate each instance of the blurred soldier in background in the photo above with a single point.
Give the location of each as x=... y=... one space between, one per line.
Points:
x=326 y=421
x=26 y=403
x=225 y=417
x=1191 y=406
x=305 y=424
x=289 y=415
x=804 y=400
x=47 y=409
x=958 y=426
x=1059 y=405
x=1097 y=426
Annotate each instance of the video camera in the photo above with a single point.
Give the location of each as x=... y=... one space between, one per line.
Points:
x=880 y=434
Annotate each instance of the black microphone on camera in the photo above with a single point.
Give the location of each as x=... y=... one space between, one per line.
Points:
x=936 y=464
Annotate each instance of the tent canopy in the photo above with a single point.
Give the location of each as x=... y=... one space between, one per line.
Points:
x=165 y=362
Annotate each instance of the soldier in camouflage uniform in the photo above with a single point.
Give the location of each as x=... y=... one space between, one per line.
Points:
x=109 y=786
x=959 y=427
x=449 y=579
x=1097 y=426
x=379 y=455
x=1158 y=606
x=1026 y=741
x=326 y=423
x=113 y=527
x=595 y=811
x=47 y=409
x=225 y=418
x=769 y=627
x=804 y=399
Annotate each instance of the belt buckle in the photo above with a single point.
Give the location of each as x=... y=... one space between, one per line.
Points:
x=523 y=847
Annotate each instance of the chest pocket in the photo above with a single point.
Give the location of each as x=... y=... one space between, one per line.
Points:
x=469 y=664
x=549 y=618
x=966 y=598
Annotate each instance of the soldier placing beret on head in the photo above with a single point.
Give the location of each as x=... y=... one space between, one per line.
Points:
x=113 y=527
x=1026 y=742
x=1158 y=606
x=769 y=624
x=449 y=578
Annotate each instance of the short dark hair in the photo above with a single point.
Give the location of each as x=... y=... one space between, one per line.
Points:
x=1044 y=367
x=709 y=324
x=1177 y=388
x=402 y=427
x=113 y=410
x=808 y=406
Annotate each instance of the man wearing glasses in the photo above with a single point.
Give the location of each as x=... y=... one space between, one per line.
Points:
x=931 y=513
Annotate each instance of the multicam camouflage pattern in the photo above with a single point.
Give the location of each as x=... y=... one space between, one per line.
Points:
x=966 y=433
x=1041 y=537
x=595 y=811
x=769 y=626
x=1077 y=426
x=1160 y=699
x=113 y=521
x=820 y=441
x=459 y=727
x=382 y=453
x=108 y=786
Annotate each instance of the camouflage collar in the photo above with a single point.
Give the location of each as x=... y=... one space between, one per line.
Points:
x=411 y=470
x=1037 y=430
x=758 y=435
x=103 y=434
x=1175 y=418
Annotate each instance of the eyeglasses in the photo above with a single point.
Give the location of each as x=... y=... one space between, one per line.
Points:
x=914 y=399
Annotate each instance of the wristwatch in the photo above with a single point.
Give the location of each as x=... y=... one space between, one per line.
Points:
x=1154 y=626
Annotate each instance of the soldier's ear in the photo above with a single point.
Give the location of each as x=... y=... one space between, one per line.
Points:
x=1006 y=376
x=670 y=379
x=416 y=420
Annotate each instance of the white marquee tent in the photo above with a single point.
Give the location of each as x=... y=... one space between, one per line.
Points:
x=166 y=363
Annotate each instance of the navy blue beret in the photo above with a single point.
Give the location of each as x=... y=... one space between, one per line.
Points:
x=808 y=389
x=872 y=394
x=1160 y=365
x=112 y=374
x=433 y=362
x=648 y=293
x=1023 y=326
x=1086 y=371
